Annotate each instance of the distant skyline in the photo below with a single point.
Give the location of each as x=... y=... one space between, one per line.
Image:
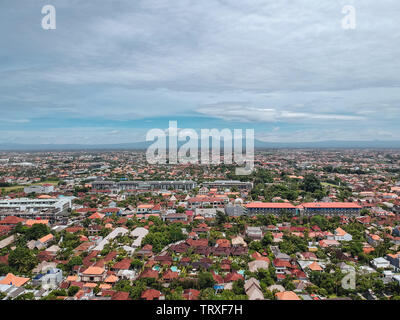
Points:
x=113 y=70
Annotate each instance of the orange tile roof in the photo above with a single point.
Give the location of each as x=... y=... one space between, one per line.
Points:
x=97 y=215
x=329 y=205
x=375 y=237
x=315 y=266
x=31 y=222
x=111 y=278
x=94 y=270
x=14 y=280
x=72 y=278
x=287 y=295
x=272 y=205
x=105 y=286
x=46 y=238
x=340 y=232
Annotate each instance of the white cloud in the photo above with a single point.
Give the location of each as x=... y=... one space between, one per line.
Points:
x=256 y=114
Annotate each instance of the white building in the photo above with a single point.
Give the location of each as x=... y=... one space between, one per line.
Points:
x=111 y=236
x=46 y=188
x=380 y=263
x=138 y=234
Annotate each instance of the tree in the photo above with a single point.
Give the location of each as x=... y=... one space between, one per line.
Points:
x=238 y=287
x=267 y=239
x=75 y=261
x=136 y=264
x=22 y=259
x=72 y=290
x=37 y=231
x=176 y=294
x=205 y=280
x=180 y=209
x=311 y=183
x=221 y=218
x=207 y=294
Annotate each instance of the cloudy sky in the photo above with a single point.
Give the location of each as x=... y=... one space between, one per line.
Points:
x=114 y=69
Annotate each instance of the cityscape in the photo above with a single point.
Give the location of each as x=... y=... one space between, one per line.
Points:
x=105 y=225
x=199 y=157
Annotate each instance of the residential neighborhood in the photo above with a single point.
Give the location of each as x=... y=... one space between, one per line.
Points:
x=110 y=226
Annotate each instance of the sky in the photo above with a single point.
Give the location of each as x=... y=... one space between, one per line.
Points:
x=112 y=70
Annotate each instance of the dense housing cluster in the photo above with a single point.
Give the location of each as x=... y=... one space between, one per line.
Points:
x=107 y=225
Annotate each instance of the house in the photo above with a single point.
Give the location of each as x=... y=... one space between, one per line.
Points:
x=12 y=280
x=253 y=289
x=254 y=233
x=257 y=265
x=374 y=240
x=152 y=294
x=307 y=256
x=149 y=273
x=120 y=295
x=146 y=251
x=394 y=260
x=50 y=279
x=223 y=243
x=93 y=274
x=7 y=241
x=233 y=276
x=96 y=215
x=174 y=217
x=329 y=243
x=11 y=221
x=170 y=275
x=122 y=265
x=380 y=263
x=287 y=295
x=314 y=267
x=341 y=235
x=44 y=241
x=276 y=287
x=281 y=266
x=144 y=208
x=238 y=241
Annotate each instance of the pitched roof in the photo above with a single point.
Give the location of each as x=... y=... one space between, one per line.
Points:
x=94 y=270
x=111 y=279
x=123 y=264
x=287 y=295
x=46 y=238
x=11 y=279
x=11 y=220
x=120 y=295
x=151 y=294
x=97 y=215
x=315 y=266
x=31 y=222
x=340 y=232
